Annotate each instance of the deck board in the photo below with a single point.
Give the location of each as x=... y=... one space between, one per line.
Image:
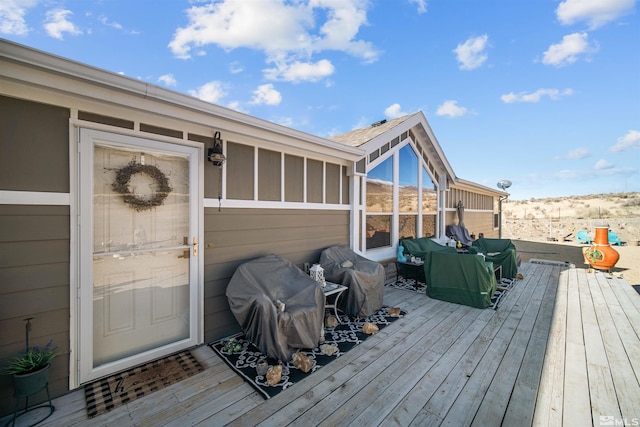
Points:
x=562 y=349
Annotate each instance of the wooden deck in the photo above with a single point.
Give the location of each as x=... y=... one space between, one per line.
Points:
x=562 y=349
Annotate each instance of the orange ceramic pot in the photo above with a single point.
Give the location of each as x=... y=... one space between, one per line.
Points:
x=600 y=254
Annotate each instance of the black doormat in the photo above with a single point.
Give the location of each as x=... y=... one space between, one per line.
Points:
x=345 y=336
x=109 y=393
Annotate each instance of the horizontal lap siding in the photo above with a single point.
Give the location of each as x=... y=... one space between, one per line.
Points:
x=34 y=282
x=233 y=236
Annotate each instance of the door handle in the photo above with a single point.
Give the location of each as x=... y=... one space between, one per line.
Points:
x=195 y=246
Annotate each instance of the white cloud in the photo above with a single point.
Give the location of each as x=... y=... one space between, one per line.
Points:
x=277 y=27
x=629 y=141
x=566 y=52
x=289 y=42
x=421 y=5
x=393 y=111
x=450 y=108
x=167 y=79
x=237 y=106
x=603 y=164
x=595 y=12
x=12 y=13
x=536 y=96
x=300 y=71
x=266 y=95
x=235 y=68
x=471 y=54
x=103 y=19
x=57 y=23
x=212 y=92
x=578 y=153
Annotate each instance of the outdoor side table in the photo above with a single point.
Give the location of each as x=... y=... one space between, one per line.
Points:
x=334 y=291
x=497 y=270
x=409 y=268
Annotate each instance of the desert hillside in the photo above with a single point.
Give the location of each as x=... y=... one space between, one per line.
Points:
x=559 y=218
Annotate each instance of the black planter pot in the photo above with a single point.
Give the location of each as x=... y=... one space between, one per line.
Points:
x=26 y=385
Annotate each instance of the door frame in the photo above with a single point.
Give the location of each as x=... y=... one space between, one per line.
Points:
x=82 y=248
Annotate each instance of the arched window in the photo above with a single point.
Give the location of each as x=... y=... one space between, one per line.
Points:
x=416 y=206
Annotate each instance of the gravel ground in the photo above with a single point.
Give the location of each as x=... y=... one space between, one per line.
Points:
x=628 y=265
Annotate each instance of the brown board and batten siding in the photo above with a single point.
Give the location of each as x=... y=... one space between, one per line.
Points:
x=233 y=236
x=475 y=222
x=34 y=240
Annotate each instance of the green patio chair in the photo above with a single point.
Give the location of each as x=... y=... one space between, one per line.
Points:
x=499 y=251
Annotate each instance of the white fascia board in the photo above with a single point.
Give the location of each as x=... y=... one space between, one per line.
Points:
x=478 y=188
x=377 y=142
x=413 y=121
x=62 y=70
x=437 y=147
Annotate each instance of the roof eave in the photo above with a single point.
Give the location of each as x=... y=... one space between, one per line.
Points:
x=51 y=63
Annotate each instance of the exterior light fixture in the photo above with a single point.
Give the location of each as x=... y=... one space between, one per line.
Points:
x=503 y=184
x=215 y=154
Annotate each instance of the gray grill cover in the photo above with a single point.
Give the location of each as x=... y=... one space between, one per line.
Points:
x=365 y=280
x=252 y=293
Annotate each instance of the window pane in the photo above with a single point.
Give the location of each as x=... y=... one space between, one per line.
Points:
x=428 y=225
x=408 y=186
x=429 y=195
x=380 y=187
x=408 y=226
x=378 y=231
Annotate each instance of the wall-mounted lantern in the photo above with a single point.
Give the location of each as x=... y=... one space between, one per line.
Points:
x=215 y=154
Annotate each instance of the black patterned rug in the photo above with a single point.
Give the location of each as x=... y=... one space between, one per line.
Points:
x=504 y=285
x=109 y=393
x=408 y=285
x=502 y=289
x=245 y=357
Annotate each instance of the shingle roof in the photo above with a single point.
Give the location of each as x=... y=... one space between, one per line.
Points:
x=358 y=137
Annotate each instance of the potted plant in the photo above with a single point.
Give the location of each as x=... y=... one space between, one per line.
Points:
x=30 y=368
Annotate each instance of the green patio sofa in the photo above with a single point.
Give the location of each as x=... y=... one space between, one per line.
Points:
x=460 y=278
x=499 y=251
x=420 y=247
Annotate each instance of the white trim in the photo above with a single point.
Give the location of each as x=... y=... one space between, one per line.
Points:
x=264 y=204
x=8 y=197
x=82 y=347
x=74 y=250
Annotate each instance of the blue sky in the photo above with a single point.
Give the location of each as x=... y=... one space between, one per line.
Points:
x=545 y=93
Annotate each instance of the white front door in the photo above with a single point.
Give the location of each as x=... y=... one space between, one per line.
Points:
x=138 y=245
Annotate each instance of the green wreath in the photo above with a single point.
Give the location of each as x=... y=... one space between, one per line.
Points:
x=121 y=185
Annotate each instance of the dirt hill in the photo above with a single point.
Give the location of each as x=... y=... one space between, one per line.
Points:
x=547 y=228
x=560 y=217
